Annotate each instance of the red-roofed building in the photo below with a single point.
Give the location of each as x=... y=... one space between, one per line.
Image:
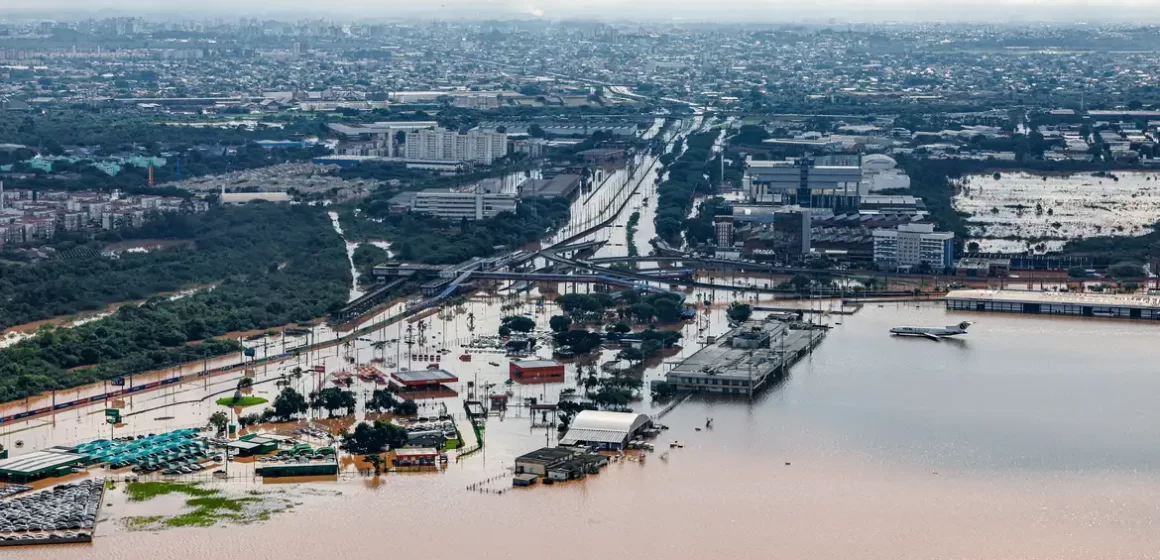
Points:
x=536 y=371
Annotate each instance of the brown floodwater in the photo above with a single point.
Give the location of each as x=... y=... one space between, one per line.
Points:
x=1031 y=438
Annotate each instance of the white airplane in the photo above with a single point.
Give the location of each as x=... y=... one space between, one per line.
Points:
x=933 y=333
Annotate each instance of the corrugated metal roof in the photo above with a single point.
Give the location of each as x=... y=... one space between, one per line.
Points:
x=605 y=420
x=602 y=436
x=603 y=427
x=39 y=461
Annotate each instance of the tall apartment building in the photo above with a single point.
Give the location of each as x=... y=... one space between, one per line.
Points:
x=913 y=244
x=801 y=183
x=477 y=146
x=723 y=230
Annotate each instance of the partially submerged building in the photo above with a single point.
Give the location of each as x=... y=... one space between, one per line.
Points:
x=40 y=464
x=605 y=430
x=253 y=444
x=1112 y=306
x=419 y=457
x=328 y=467
x=412 y=383
x=536 y=371
x=556 y=463
x=744 y=359
x=539 y=461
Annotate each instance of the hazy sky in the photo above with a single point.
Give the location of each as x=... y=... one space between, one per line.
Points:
x=657 y=10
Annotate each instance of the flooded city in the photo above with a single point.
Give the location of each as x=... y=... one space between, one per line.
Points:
x=497 y=280
x=872 y=446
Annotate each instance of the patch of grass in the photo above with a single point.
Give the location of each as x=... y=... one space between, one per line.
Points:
x=209 y=506
x=142 y=521
x=242 y=402
x=209 y=510
x=141 y=491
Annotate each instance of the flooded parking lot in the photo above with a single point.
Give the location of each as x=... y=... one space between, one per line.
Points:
x=1024 y=211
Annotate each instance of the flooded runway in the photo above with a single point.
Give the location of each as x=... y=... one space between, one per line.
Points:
x=1030 y=438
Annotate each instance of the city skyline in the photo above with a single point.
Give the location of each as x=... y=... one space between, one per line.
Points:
x=730 y=11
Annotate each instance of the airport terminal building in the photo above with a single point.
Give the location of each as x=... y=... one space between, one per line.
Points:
x=1114 y=306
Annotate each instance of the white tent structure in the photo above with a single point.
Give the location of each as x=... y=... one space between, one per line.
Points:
x=608 y=430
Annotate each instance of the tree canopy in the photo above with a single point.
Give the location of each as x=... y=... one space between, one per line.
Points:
x=288 y=404
x=739 y=312
x=375 y=437
x=559 y=323
x=332 y=399
x=425 y=239
x=268 y=266
x=686 y=177
x=519 y=323
x=578 y=341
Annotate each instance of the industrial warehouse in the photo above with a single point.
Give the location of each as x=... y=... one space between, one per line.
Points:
x=605 y=430
x=1056 y=303
x=591 y=432
x=40 y=464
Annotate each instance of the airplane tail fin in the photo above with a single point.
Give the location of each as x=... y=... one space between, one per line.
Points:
x=963 y=326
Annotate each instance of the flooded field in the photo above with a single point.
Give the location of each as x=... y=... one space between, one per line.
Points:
x=1024 y=211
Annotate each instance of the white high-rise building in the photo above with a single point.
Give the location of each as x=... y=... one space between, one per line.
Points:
x=912 y=245
x=477 y=146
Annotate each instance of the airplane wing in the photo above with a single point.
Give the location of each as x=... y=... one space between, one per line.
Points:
x=932 y=337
